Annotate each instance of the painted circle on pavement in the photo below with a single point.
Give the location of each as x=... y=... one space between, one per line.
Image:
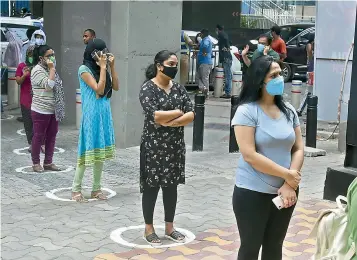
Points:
x=116 y=236
x=23 y=170
x=24 y=151
x=21 y=132
x=52 y=194
x=8 y=117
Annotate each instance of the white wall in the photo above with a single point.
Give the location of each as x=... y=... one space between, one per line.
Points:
x=335 y=24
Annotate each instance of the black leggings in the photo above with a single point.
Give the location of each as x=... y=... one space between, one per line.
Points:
x=169 y=196
x=26 y=117
x=260 y=223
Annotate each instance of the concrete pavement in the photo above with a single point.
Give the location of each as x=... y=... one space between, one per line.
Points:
x=36 y=227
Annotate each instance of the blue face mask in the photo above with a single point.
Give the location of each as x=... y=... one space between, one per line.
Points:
x=275 y=87
x=260 y=47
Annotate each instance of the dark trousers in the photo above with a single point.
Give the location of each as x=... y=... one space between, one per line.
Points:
x=44 y=126
x=149 y=197
x=26 y=117
x=260 y=223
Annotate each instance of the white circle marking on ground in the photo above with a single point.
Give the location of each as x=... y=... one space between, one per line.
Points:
x=22 y=170
x=8 y=117
x=116 y=237
x=51 y=194
x=25 y=149
x=21 y=132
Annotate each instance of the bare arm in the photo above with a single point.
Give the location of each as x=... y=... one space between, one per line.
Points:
x=246 y=142
x=91 y=82
x=246 y=60
x=20 y=80
x=297 y=152
x=162 y=117
x=115 y=79
x=182 y=120
x=309 y=51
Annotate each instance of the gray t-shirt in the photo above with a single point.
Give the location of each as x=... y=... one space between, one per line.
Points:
x=274 y=139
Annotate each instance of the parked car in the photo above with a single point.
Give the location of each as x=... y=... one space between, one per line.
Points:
x=236 y=64
x=19 y=27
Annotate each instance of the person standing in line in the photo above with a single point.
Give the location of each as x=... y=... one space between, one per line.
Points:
x=269 y=137
x=167 y=108
x=278 y=43
x=186 y=44
x=12 y=55
x=225 y=58
x=88 y=34
x=263 y=48
x=23 y=79
x=96 y=144
x=29 y=34
x=47 y=108
x=204 y=60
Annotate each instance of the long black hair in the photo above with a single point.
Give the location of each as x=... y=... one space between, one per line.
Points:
x=159 y=59
x=97 y=44
x=39 y=51
x=253 y=83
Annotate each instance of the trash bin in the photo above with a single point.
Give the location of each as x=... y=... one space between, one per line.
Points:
x=13 y=91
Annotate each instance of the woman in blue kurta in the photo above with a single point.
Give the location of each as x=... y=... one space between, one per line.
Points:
x=96 y=135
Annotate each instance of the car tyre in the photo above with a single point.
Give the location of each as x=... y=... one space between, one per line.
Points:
x=286 y=72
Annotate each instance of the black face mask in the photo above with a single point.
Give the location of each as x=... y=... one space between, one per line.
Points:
x=170 y=71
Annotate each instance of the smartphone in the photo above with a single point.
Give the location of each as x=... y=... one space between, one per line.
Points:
x=278 y=201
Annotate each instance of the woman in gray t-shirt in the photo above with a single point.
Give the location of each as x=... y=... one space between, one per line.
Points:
x=269 y=137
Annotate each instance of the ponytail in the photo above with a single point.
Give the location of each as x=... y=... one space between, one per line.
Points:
x=150 y=72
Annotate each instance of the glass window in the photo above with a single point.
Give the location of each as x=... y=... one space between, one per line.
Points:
x=3 y=38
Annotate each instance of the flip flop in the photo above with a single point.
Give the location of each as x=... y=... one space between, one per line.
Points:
x=152 y=237
x=176 y=237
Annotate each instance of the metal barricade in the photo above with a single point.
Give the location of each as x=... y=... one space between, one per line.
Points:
x=193 y=67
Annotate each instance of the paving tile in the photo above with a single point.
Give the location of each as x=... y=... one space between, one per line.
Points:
x=107 y=257
x=132 y=253
x=217 y=250
x=184 y=250
x=218 y=241
x=220 y=232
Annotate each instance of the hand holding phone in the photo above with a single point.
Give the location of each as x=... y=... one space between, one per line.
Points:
x=278 y=201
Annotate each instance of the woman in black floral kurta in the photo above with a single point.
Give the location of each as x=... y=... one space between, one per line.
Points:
x=167 y=109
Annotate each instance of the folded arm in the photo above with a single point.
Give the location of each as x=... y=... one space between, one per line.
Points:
x=40 y=77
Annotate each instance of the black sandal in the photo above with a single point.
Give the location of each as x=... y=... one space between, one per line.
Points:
x=176 y=237
x=150 y=239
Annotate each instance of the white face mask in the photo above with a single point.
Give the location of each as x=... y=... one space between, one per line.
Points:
x=39 y=41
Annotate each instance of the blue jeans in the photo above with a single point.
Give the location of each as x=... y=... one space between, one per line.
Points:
x=227 y=64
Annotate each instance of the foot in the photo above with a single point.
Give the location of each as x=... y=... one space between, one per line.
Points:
x=98 y=195
x=78 y=197
x=51 y=167
x=152 y=239
x=226 y=96
x=43 y=149
x=37 y=168
x=175 y=236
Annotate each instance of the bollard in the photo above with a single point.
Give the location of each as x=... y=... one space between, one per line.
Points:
x=78 y=108
x=218 y=82
x=311 y=121
x=198 y=123
x=296 y=93
x=233 y=146
x=236 y=83
x=13 y=90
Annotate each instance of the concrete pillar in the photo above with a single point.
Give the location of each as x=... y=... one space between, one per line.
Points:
x=134 y=33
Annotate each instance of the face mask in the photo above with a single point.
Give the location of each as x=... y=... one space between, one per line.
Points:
x=39 y=41
x=199 y=39
x=260 y=47
x=170 y=71
x=275 y=87
x=30 y=60
x=53 y=59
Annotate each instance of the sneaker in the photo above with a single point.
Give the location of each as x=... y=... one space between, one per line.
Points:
x=226 y=96
x=37 y=168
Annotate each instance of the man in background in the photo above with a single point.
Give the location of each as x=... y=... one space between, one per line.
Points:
x=263 y=48
x=204 y=59
x=186 y=44
x=88 y=34
x=225 y=58
x=278 y=43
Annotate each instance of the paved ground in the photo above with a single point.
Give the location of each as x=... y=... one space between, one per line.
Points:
x=36 y=227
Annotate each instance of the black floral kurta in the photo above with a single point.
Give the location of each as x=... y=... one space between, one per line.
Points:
x=162 y=149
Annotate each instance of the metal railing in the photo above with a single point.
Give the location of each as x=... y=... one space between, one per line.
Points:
x=192 y=72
